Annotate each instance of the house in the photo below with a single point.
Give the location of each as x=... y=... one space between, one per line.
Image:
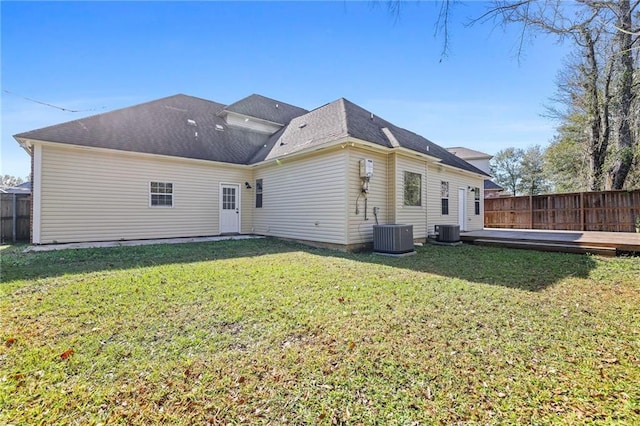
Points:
x=23 y=188
x=183 y=166
x=481 y=161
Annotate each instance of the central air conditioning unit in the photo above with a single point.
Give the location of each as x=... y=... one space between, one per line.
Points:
x=448 y=233
x=394 y=239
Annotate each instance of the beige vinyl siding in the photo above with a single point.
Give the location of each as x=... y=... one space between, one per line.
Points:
x=97 y=195
x=304 y=198
x=361 y=230
x=456 y=180
x=391 y=188
x=411 y=215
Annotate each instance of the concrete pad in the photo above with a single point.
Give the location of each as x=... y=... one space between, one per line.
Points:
x=103 y=244
x=444 y=243
x=411 y=253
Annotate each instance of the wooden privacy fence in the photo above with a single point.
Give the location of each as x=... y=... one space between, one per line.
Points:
x=613 y=211
x=15 y=217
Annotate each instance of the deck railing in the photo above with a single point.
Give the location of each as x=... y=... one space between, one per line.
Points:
x=613 y=211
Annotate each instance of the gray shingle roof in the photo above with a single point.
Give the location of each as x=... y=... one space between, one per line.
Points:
x=185 y=126
x=160 y=127
x=324 y=124
x=266 y=109
x=363 y=125
x=491 y=185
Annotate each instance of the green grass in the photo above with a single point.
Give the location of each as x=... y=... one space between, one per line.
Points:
x=264 y=331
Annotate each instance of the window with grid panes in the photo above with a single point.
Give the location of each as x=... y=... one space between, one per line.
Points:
x=444 y=196
x=161 y=194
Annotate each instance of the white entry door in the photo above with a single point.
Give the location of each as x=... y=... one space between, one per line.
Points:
x=462 y=208
x=229 y=209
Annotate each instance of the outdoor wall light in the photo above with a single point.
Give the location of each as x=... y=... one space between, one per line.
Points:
x=247 y=185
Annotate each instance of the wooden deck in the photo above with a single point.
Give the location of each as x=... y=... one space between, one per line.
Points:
x=602 y=243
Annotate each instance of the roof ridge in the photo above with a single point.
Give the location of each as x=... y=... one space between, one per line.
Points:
x=177 y=95
x=267 y=98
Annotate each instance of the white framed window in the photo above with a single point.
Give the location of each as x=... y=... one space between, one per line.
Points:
x=412 y=189
x=160 y=194
x=444 y=197
x=476 y=199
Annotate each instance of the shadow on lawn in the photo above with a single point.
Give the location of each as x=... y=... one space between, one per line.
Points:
x=15 y=265
x=521 y=269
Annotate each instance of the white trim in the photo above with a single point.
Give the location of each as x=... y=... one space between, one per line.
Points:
x=238 y=205
x=462 y=208
x=426 y=200
x=391 y=137
x=464 y=172
x=448 y=197
x=251 y=118
x=36 y=192
x=349 y=141
x=346 y=141
x=138 y=154
x=173 y=187
x=346 y=158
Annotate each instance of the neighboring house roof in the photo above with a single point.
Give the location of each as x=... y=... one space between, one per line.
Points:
x=23 y=188
x=190 y=127
x=469 y=154
x=492 y=186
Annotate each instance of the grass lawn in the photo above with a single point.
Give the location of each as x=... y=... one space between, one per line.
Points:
x=265 y=331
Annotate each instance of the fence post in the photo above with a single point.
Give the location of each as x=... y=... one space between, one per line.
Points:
x=582 y=225
x=530 y=212
x=14 y=233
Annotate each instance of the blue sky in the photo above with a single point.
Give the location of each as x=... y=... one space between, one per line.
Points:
x=96 y=57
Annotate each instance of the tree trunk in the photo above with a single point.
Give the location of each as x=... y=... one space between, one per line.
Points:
x=597 y=142
x=624 y=95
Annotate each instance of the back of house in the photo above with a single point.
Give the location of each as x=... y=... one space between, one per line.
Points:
x=183 y=166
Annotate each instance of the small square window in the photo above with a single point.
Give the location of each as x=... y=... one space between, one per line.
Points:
x=161 y=194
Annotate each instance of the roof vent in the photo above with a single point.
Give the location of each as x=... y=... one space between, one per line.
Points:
x=372 y=116
x=191 y=122
x=277 y=106
x=302 y=125
x=219 y=128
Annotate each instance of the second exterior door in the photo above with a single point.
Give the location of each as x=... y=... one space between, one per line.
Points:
x=229 y=209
